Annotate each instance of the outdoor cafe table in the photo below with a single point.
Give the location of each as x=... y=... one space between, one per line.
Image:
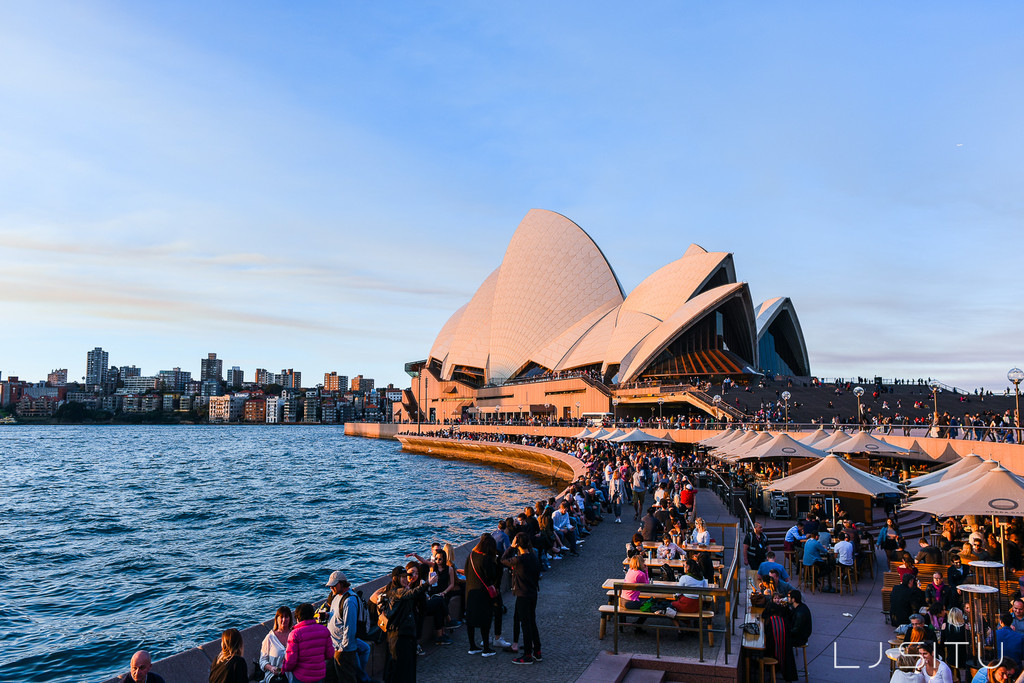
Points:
x=689 y=547
x=988 y=573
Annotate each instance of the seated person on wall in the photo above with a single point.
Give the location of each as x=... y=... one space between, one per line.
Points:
x=140 y=670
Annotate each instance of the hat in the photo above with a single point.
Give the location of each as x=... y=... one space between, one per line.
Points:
x=336 y=578
x=689 y=487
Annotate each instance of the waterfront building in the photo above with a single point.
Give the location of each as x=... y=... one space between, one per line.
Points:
x=275 y=410
x=41 y=406
x=185 y=403
x=255 y=409
x=211 y=387
x=335 y=382
x=235 y=377
x=211 y=367
x=11 y=390
x=227 y=408
x=57 y=378
x=175 y=380
x=363 y=384
x=289 y=379
x=142 y=403
x=112 y=403
x=290 y=409
x=169 y=403
x=126 y=371
x=551 y=333
x=329 y=411
x=88 y=399
x=96 y=367
x=311 y=409
x=139 y=385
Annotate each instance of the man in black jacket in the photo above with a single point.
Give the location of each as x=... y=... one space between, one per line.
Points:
x=650 y=528
x=928 y=554
x=906 y=599
x=525 y=585
x=755 y=546
x=801 y=624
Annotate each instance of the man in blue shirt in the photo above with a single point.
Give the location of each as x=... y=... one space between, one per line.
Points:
x=815 y=554
x=795 y=536
x=769 y=564
x=1009 y=643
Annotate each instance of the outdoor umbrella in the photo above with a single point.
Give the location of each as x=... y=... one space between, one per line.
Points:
x=585 y=434
x=611 y=435
x=833 y=439
x=760 y=438
x=956 y=483
x=724 y=449
x=833 y=475
x=597 y=435
x=814 y=437
x=720 y=438
x=862 y=442
x=998 y=492
x=966 y=464
x=638 y=436
x=782 y=446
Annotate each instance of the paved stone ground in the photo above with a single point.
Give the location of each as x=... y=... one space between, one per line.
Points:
x=567 y=616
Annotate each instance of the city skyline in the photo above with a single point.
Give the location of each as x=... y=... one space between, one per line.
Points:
x=319 y=187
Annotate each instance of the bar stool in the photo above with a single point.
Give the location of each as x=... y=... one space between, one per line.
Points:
x=845 y=576
x=804 y=648
x=808 y=573
x=788 y=557
x=768 y=662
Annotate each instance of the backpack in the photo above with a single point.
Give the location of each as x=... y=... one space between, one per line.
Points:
x=362 y=615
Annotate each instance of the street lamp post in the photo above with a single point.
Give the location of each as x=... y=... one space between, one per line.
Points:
x=578 y=414
x=1016 y=375
x=718 y=411
x=936 y=388
x=615 y=411
x=661 y=402
x=785 y=398
x=520 y=413
x=858 y=392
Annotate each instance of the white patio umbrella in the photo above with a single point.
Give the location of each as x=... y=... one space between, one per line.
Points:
x=834 y=475
x=759 y=439
x=781 y=446
x=814 y=437
x=639 y=436
x=833 y=439
x=597 y=435
x=585 y=434
x=966 y=464
x=958 y=482
x=862 y=442
x=610 y=436
x=998 y=492
x=721 y=438
x=724 y=449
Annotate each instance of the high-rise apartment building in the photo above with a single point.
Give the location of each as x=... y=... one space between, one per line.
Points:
x=58 y=378
x=126 y=371
x=211 y=367
x=363 y=384
x=264 y=376
x=335 y=382
x=176 y=379
x=289 y=379
x=235 y=377
x=96 y=366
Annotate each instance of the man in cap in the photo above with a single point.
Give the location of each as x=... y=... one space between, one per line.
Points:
x=140 y=670
x=351 y=655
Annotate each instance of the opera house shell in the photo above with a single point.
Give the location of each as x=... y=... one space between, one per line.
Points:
x=555 y=307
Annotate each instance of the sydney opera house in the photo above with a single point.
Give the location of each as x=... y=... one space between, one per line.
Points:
x=551 y=332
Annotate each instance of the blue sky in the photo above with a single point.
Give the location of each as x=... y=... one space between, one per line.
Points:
x=319 y=185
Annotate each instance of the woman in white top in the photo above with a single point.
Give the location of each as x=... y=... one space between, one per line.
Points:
x=273 y=649
x=931 y=669
x=701 y=536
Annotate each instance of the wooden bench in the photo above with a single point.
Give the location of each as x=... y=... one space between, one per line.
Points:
x=608 y=614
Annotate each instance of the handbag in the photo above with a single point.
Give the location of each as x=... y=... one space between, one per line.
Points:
x=492 y=592
x=382 y=621
x=751 y=628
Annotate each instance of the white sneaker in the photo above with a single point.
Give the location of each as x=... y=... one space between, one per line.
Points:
x=618 y=521
x=500 y=642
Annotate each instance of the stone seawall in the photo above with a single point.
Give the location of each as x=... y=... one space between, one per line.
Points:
x=193 y=666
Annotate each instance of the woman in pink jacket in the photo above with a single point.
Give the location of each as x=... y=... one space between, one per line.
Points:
x=309 y=648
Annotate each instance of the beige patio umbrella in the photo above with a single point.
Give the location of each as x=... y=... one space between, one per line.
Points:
x=781 y=446
x=611 y=435
x=814 y=437
x=834 y=475
x=721 y=438
x=958 y=482
x=760 y=439
x=966 y=464
x=585 y=434
x=997 y=492
x=638 y=436
x=862 y=442
x=737 y=442
x=597 y=435
x=833 y=439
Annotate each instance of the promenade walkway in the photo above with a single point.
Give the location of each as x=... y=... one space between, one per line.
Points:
x=568 y=621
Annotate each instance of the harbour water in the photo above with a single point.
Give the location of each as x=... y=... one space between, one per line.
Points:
x=114 y=538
